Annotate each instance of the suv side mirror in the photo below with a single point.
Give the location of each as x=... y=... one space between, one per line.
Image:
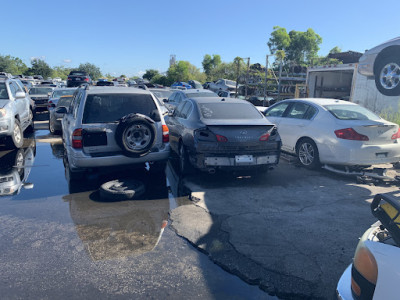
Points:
x=165 y=100
x=61 y=110
x=20 y=94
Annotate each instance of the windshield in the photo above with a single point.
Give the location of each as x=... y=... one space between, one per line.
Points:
x=106 y=108
x=351 y=112
x=40 y=91
x=59 y=93
x=201 y=94
x=230 y=82
x=229 y=111
x=3 y=91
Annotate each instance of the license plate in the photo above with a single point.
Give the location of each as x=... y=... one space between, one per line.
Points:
x=244 y=159
x=381 y=155
x=77 y=79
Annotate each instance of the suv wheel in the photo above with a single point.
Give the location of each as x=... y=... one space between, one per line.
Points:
x=17 y=137
x=136 y=135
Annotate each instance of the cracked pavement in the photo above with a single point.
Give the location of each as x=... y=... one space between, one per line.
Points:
x=291 y=231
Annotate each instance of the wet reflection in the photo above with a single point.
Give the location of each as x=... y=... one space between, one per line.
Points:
x=112 y=230
x=57 y=149
x=15 y=167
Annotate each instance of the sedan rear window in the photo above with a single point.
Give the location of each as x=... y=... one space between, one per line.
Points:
x=351 y=112
x=226 y=110
x=107 y=108
x=201 y=94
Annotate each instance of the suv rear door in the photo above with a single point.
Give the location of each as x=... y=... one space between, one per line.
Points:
x=101 y=116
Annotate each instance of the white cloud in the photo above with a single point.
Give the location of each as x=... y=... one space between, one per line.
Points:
x=67 y=61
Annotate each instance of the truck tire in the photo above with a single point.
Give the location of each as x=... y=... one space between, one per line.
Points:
x=387 y=74
x=136 y=135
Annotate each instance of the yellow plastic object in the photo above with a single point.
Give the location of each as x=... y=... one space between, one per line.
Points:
x=392 y=212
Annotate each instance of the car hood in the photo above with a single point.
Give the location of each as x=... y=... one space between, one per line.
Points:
x=4 y=102
x=258 y=122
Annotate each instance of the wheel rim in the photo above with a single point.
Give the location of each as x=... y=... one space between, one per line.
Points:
x=137 y=137
x=17 y=134
x=306 y=154
x=390 y=76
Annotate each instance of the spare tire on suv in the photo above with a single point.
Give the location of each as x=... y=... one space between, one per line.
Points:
x=135 y=134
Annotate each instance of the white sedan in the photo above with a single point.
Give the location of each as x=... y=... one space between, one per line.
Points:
x=374 y=273
x=334 y=132
x=383 y=64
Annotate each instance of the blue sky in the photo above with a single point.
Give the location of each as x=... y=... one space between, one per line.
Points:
x=128 y=37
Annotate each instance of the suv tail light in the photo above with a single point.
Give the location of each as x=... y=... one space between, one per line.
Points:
x=165 y=134
x=396 y=135
x=69 y=78
x=86 y=79
x=350 y=134
x=77 y=139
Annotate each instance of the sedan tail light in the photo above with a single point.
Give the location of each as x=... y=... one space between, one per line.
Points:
x=350 y=134
x=77 y=139
x=221 y=138
x=86 y=79
x=396 y=135
x=69 y=78
x=264 y=137
x=165 y=134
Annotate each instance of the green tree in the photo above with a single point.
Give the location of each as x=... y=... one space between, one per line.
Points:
x=279 y=40
x=13 y=65
x=93 y=71
x=335 y=49
x=40 y=67
x=161 y=79
x=300 y=47
x=150 y=73
x=61 y=71
x=210 y=63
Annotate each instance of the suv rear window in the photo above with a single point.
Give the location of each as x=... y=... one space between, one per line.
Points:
x=77 y=73
x=107 y=108
x=3 y=91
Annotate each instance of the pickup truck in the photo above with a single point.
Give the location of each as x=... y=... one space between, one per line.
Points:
x=76 y=78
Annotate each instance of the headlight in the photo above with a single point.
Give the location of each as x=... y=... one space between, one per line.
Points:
x=364 y=272
x=3 y=112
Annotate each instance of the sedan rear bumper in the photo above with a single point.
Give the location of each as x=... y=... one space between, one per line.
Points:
x=352 y=153
x=206 y=161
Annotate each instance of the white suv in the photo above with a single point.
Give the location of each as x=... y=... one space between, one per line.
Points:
x=113 y=126
x=15 y=113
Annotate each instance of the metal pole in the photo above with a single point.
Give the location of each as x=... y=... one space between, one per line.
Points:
x=237 y=78
x=247 y=74
x=279 y=82
x=266 y=75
